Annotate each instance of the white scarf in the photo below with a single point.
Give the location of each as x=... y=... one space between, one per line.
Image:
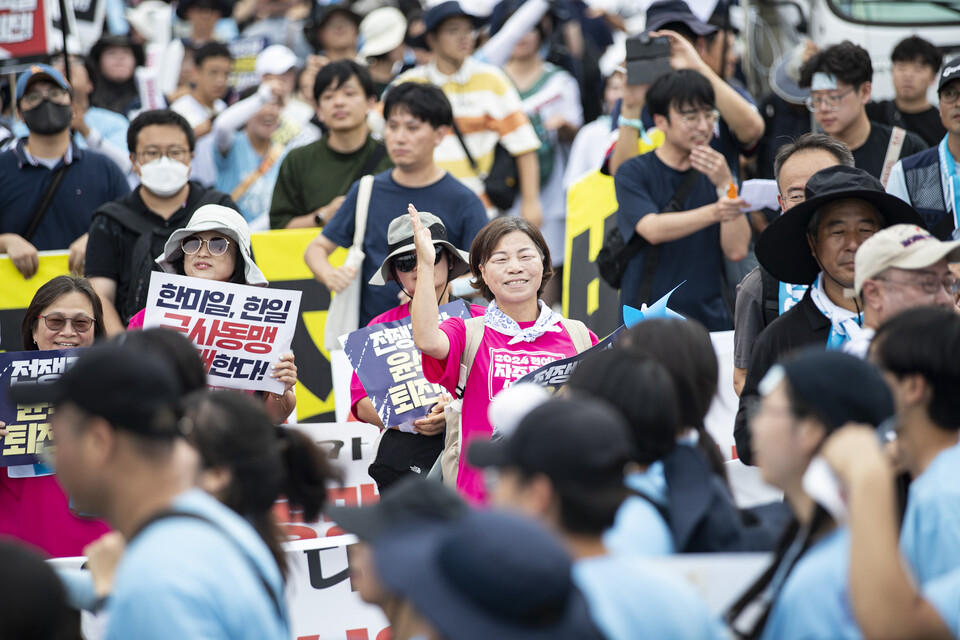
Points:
x=502 y=323
x=844 y=325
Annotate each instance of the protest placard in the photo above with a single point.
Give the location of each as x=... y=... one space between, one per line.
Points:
x=555 y=375
x=388 y=364
x=244 y=52
x=25 y=26
x=239 y=330
x=350 y=446
x=28 y=426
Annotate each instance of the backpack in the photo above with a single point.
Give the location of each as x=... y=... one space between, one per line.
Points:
x=143 y=260
x=453 y=438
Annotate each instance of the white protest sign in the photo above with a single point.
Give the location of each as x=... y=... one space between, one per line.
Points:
x=321 y=601
x=239 y=330
x=350 y=446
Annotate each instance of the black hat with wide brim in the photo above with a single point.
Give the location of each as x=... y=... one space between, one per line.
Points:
x=225 y=7
x=782 y=248
x=109 y=41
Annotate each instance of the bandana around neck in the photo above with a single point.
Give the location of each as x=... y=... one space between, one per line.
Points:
x=844 y=325
x=502 y=323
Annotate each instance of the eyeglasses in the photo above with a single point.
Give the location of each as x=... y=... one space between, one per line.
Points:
x=950 y=95
x=217 y=245
x=57 y=321
x=826 y=103
x=177 y=154
x=693 y=118
x=408 y=261
x=55 y=94
x=756 y=407
x=930 y=284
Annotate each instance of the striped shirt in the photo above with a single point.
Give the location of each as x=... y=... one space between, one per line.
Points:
x=487 y=109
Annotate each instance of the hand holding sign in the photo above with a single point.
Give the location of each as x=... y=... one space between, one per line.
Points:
x=426 y=251
x=658 y=309
x=435 y=421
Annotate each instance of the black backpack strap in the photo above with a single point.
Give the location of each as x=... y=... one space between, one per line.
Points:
x=652 y=260
x=473 y=163
x=372 y=161
x=44 y=205
x=661 y=509
x=173 y=513
x=769 y=296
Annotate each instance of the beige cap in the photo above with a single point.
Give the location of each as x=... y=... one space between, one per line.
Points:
x=902 y=246
x=382 y=31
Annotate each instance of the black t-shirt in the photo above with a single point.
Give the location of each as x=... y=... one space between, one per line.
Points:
x=110 y=244
x=925 y=124
x=870 y=155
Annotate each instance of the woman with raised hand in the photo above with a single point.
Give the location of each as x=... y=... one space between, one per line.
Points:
x=518 y=333
x=399 y=452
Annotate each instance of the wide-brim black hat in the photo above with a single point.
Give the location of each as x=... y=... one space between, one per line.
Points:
x=320 y=15
x=436 y=15
x=782 y=248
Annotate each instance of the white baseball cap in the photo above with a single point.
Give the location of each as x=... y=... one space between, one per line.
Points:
x=274 y=60
x=901 y=246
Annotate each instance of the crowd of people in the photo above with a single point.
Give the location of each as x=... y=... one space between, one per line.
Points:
x=438 y=146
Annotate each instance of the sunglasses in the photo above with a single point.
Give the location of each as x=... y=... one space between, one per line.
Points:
x=57 y=321
x=408 y=262
x=217 y=245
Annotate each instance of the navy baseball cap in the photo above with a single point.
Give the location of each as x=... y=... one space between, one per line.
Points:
x=665 y=12
x=40 y=72
x=950 y=72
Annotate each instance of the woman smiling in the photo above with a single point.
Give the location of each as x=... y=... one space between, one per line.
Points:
x=518 y=333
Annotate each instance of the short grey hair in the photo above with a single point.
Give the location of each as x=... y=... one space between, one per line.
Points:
x=812 y=142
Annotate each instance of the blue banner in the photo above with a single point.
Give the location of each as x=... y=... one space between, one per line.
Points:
x=388 y=364
x=28 y=426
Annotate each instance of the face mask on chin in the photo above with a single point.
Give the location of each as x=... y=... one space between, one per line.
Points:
x=164 y=177
x=48 y=118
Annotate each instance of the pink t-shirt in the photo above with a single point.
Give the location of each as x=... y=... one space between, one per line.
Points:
x=357 y=392
x=497 y=366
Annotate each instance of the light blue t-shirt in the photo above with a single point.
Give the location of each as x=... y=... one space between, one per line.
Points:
x=240 y=162
x=639 y=528
x=930 y=535
x=630 y=600
x=183 y=578
x=944 y=594
x=814 y=601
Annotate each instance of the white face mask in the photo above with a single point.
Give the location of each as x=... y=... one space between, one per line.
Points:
x=164 y=177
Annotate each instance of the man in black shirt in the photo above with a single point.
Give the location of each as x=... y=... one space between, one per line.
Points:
x=126 y=235
x=839 y=78
x=916 y=64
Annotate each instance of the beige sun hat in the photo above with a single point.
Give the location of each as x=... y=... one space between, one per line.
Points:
x=215 y=217
x=400 y=241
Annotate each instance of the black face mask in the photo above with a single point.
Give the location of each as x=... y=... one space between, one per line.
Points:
x=48 y=118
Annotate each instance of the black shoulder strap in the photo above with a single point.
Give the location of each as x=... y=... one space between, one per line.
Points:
x=662 y=510
x=41 y=211
x=172 y=513
x=372 y=161
x=466 y=150
x=652 y=259
x=769 y=296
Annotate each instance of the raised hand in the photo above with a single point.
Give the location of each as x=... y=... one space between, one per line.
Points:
x=426 y=251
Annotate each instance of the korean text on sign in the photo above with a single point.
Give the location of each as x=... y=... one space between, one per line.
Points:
x=239 y=330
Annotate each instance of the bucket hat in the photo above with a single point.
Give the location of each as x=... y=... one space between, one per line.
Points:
x=215 y=217
x=400 y=241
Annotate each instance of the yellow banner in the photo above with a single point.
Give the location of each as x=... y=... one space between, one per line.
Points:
x=279 y=254
x=591 y=214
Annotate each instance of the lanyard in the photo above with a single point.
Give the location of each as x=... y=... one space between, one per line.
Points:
x=948 y=173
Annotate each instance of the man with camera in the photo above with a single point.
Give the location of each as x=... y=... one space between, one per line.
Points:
x=677 y=36
x=678 y=200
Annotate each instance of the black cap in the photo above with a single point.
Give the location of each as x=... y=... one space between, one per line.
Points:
x=950 y=72
x=782 y=248
x=412 y=498
x=108 y=41
x=841 y=387
x=569 y=440
x=664 y=12
x=129 y=387
x=225 y=7
x=435 y=16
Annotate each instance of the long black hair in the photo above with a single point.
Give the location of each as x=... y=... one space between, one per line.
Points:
x=231 y=431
